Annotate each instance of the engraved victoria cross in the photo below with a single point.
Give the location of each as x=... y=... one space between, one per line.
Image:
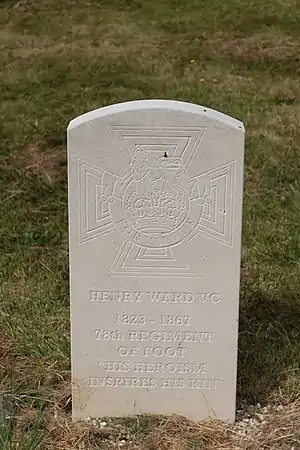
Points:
x=156 y=206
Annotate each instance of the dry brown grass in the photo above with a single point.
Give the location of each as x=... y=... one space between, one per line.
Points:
x=46 y=164
x=280 y=429
x=18 y=370
x=113 y=36
x=5 y=345
x=102 y=45
x=279 y=125
x=259 y=46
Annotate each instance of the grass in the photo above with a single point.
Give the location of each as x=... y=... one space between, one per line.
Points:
x=61 y=59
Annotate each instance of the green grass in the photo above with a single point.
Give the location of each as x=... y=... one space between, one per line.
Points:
x=61 y=59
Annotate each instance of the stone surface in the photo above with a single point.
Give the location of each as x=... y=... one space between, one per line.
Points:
x=155 y=206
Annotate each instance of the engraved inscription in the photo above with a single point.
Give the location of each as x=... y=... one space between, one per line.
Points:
x=171 y=336
x=129 y=319
x=209 y=383
x=169 y=352
x=118 y=296
x=127 y=351
x=156 y=205
x=166 y=343
x=118 y=382
x=172 y=383
x=175 y=320
x=133 y=319
x=181 y=368
x=151 y=383
x=156 y=336
x=109 y=335
x=213 y=297
x=170 y=297
x=154 y=297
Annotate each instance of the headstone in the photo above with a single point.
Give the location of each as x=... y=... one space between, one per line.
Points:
x=155 y=207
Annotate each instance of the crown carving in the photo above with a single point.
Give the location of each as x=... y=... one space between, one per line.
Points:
x=155 y=209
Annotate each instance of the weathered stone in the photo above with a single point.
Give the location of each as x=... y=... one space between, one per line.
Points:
x=155 y=207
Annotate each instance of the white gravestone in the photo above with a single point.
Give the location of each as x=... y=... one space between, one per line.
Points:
x=155 y=208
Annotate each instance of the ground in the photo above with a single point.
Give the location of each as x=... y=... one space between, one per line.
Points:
x=60 y=59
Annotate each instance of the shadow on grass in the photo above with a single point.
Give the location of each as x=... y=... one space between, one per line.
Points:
x=269 y=348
